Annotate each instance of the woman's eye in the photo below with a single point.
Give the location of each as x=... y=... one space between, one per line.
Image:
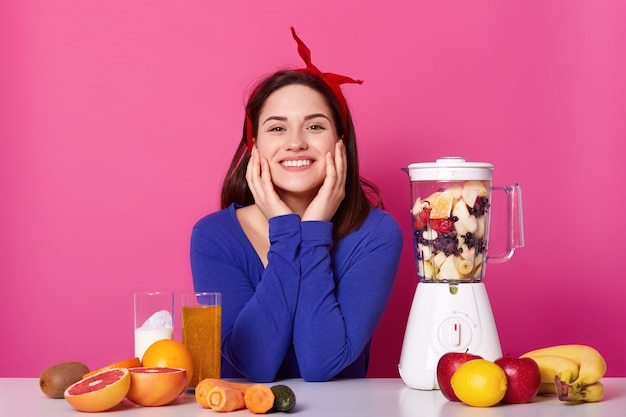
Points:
x=276 y=129
x=316 y=127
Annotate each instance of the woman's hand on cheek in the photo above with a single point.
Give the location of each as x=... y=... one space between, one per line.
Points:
x=333 y=190
x=260 y=183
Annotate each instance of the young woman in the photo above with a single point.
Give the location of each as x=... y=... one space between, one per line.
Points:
x=304 y=258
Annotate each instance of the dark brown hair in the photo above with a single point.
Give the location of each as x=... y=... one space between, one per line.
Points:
x=360 y=194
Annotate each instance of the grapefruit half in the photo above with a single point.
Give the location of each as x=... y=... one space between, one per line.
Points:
x=152 y=387
x=99 y=392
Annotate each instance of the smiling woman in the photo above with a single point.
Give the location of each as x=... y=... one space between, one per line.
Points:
x=302 y=252
x=301 y=147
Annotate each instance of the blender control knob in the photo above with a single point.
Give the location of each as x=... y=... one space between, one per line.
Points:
x=455 y=334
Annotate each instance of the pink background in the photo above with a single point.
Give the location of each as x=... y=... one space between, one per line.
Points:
x=118 y=120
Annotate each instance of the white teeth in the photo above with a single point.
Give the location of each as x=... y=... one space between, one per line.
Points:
x=296 y=163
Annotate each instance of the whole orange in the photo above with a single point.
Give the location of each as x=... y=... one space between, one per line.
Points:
x=126 y=363
x=168 y=354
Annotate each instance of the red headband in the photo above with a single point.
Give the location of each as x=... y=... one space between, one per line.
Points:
x=333 y=81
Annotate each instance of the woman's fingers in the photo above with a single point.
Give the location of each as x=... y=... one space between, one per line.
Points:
x=253 y=174
x=332 y=192
x=259 y=178
x=341 y=164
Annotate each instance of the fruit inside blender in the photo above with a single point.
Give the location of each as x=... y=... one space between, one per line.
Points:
x=450 y=231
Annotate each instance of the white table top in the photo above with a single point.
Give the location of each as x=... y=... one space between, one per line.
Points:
x=387 y=397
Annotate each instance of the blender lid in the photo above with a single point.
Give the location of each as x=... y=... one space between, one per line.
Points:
x=450 y=168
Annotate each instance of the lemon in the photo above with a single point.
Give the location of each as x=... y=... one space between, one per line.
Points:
x=479 y=383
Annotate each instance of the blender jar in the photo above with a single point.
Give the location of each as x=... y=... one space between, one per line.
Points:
x=451 y=200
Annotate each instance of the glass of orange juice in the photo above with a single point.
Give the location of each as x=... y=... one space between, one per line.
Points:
x=202 y=328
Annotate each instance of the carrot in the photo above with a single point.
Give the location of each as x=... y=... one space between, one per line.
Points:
x=225 y=399
x=259 y=398
x=208 y=384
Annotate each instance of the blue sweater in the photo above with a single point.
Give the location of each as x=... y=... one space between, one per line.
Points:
x=312 y=311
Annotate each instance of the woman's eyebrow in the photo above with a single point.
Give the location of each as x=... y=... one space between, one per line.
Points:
x=316 y=115
x=279 y=118
x=284 y=119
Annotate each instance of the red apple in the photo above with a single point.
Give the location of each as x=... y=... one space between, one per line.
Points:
x=523 y=377
x=446 y=366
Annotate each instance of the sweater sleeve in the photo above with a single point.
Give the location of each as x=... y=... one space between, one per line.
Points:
x=341 y=301
x=257 y=315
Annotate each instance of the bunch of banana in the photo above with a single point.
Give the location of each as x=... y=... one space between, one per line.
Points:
x=572 y=372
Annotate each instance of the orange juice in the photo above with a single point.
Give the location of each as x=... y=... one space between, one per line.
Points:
x=202 y=336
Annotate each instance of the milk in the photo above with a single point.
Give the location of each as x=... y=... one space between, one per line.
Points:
x=144 y=337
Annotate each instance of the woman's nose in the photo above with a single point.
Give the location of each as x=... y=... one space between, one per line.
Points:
x=296 y=139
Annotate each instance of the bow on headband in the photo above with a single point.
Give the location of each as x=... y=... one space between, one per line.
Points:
x=333 y=81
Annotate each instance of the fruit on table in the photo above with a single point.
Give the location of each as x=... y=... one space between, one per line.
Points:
x=99 y=392
x=168 y=354
x=551 y=366
x=590 y=364
x=126 y=363
x=153 y=387
x=523 y=379
x=446 y=366
x=449 y=232
x=284 y=398
x=55 y=379
x=589 y=393
x=479 y=383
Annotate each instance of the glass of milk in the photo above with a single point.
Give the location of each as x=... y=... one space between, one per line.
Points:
x=153 y=319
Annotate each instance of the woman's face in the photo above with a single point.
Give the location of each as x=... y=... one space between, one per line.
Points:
x=296 y=131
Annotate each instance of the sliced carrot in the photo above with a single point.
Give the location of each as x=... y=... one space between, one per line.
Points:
x=259 y=398
x=208 y=384
x=225 y=399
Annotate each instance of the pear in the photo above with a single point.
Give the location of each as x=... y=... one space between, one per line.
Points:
x=460 y=228
x=456 y=191
x=460 y=209
x=469 y=223
x=427 y=253
x=439 y=259
x=418 y=207
x=479 y=186
x=480 y=228
x=472 y=190
x=448 y=269
x=426 y=270
x=429 y=234
x=469 y=196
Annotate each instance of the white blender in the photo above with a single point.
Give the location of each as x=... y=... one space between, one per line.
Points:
x=451 y=200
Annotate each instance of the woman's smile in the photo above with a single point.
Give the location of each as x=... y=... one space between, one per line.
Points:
x=296 y=163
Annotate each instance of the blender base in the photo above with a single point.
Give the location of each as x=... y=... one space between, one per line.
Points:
x=441 y=321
